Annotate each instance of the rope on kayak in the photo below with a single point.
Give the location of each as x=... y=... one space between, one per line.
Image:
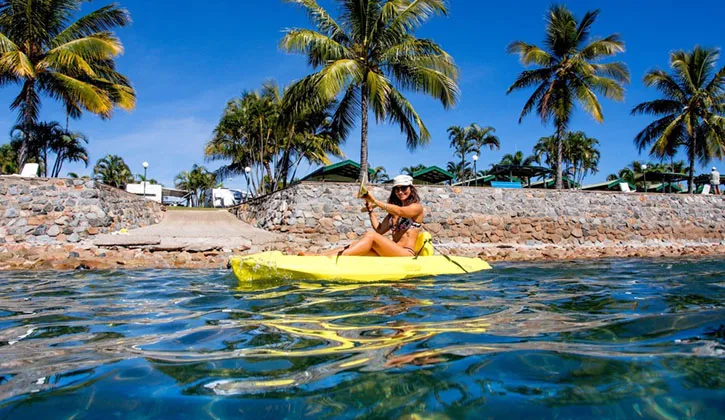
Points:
x=430 y=241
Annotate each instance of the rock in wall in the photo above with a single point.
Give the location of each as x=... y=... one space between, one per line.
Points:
x=330 y=213
x=54 y=210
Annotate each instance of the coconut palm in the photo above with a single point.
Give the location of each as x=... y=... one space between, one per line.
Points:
x=483 y=137
x=379 y=175
x=460 y=170
x=112 y=170
x=69 y=146
x=410 y=170
x=691 y=113
x=461 y=141
x=45 y=51
x=196 y=182
x=581 y=154
x=518 y=159
x=568 y=70
x=38 y=139
x=365 y=56
x=261 y=130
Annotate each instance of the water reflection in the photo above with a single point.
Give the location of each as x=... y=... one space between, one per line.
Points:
x=611 y=338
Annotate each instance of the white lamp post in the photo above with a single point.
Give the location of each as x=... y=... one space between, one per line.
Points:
x=145 y=167
x=247 y=170
x=644 y=176
x=475 y=174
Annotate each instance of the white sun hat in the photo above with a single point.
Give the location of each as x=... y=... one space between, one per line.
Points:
x=714 y=168
x=402 y=180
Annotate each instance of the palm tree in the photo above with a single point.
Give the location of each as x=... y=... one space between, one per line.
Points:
x=366 y=57
x=112 y=170
x=460 y=170
x=379 y=174
x=461 y=141
x=261 y=130
x=568 y=71
x=518 y=159
x=69 y=147
x=410 y=170
x=38 y=139
x=691 y=112
x=196 y=182
x=483 y=137
x=582 y=154
x=46 y=52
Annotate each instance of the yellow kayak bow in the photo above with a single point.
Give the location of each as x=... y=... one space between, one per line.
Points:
x=275 y=265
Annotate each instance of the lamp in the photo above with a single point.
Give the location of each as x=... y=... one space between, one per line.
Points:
x=145 y=167
x=644 y=176
x=475 y=174
x=247 y=170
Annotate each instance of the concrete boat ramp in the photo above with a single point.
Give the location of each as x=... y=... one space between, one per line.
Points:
x=193 y=231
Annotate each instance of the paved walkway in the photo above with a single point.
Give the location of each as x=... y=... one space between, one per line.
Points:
x=192 y=230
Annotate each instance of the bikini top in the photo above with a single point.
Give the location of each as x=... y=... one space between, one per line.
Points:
x=404 y=224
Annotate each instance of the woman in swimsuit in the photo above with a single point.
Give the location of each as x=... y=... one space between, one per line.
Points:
x=404 y=218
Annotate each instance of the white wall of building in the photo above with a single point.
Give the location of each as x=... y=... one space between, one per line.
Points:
x=153 y=191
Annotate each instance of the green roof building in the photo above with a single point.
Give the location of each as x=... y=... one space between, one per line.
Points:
x=345 y=171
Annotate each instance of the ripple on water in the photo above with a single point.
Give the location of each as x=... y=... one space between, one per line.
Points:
x=631 y=338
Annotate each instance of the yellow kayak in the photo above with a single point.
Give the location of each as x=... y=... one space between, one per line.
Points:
x=275 y=265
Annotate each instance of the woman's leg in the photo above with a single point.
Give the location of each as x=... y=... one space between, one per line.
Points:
x=375 y=242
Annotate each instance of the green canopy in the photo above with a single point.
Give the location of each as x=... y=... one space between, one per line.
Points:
x=431 y=175
x=608 y=186
x=551 y=182
x=345 y=171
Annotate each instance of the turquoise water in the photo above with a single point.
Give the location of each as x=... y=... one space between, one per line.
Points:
x=608 y=339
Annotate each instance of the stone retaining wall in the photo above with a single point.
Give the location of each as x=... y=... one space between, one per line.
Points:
x=329 y=213
x=53 y=210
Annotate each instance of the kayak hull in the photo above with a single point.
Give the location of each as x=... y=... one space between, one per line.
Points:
x=275 y=265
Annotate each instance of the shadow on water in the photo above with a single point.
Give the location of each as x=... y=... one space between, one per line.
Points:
x=632 y=338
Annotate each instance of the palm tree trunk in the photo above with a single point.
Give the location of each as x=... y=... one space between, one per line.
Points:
x=691 y=178
x=559 y=156
x=364 y=133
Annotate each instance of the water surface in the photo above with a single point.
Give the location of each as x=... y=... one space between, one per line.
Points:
x=614 y=338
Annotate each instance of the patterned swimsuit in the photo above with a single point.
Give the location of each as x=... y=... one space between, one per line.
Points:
x=404 y=224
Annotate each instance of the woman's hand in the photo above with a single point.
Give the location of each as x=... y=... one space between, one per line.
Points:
x=369 y=198
x=370 y=206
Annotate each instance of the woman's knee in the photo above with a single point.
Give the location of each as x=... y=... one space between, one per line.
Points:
x=371 y=234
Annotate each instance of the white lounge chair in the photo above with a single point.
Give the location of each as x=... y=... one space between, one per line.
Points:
x=624 y=186
x=705 y=189
x=30 y=170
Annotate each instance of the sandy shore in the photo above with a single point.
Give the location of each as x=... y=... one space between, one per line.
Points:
x=88 y=256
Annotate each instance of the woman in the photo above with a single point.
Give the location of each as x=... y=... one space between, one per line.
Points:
x=404 y=218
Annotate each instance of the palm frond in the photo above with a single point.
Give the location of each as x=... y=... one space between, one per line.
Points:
x=102 y=20
x=319 y=48
x=400 y=111
x=530 y=54
x=322 y=20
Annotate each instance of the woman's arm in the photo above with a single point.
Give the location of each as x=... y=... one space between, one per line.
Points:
x=381 y=228
x=410 y=212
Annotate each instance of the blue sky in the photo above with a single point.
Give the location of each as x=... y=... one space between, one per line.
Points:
x=187 y=58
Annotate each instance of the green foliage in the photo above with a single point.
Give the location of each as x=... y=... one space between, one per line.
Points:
x=579 y=154
x=47 y=53
x=112 y=170
x=379 y=174
x=690 y=114
x=410 y=170
x=45 y=139
x=267 y=132
x=461 y=170
x=365 y=56
x=8 y=159
x=196 y=182
x=569 y=70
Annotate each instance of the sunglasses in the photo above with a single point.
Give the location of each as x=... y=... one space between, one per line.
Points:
x=401 y=188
